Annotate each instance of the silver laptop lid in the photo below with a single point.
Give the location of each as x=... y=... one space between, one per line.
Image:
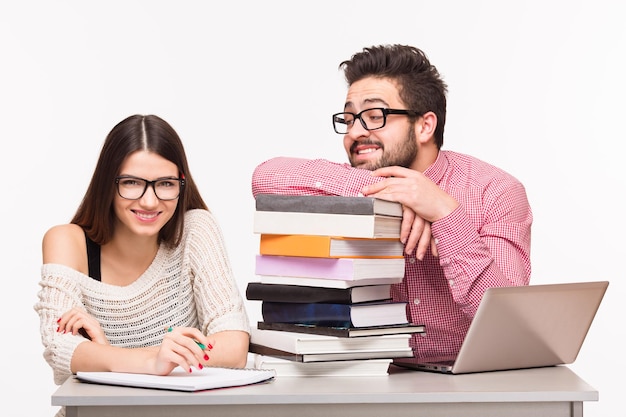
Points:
x=528 y=326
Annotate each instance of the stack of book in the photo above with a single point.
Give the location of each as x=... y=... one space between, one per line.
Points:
x=325 y=266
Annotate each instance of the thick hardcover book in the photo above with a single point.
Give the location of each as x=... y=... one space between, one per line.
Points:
x=181 y=380
x=325 y=282
x=302 y=343
x=304 y=294
x=328 y=204
x=408 y=328
x=349 y=269
x=352 y=368
x=330 y=246
x=326 y=224
x=335 y=315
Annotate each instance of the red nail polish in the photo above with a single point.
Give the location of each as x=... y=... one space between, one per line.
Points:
x=210 y=346
x=59 y=320
x=206 y=357
x=200 y=366
x=190 y=370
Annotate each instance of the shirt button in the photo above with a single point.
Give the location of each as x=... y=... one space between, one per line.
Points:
x=318 y=184
x=436 y=241
x=416 y=301
x=451 y=282
x=412 y=260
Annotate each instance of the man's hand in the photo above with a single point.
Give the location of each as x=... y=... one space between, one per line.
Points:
x=423 y=201
x=415 y=232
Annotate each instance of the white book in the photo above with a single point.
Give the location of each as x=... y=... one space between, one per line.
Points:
x=325 y=282
x=181 y=380
x=302 y=343
x=406 y=352
x=347 y=368
x=326 y=224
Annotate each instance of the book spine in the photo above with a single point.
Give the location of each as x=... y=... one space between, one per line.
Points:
x=295 y=245
x=297 y=293
x=276 y=353
x=344 y=332
x=328 y=268
x=327 y=246
x=325 y=224
x=315 y=204
x=293 y=266
x=321 y=314
x=298 y=328
x=325 y=282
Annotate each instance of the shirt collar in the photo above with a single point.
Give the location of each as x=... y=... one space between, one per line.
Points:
x=438 y=168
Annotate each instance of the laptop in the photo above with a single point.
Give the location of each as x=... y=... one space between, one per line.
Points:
x=522 y=327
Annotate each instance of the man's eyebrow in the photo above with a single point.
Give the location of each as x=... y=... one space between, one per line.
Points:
x=379 y=101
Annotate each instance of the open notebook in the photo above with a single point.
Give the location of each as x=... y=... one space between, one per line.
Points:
x=523 y=327
x=179 y=380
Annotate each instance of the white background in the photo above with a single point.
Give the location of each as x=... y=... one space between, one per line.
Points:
x=536 y=88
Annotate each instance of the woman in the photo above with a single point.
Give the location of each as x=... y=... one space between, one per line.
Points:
x=142 y=255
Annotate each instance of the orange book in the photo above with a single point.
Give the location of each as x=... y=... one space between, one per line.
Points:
x=330 y=246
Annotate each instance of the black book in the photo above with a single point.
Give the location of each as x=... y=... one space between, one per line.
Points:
x=343 y=331
x=304 y=294
x=327 y=204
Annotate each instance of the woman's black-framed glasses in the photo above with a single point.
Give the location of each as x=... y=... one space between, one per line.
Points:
x=371 y=119
x=133 y=188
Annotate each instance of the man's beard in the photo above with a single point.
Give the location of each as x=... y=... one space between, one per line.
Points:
x=403 y=154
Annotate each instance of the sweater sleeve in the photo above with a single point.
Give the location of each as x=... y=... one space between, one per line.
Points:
x=59 y=292
x=219 y=303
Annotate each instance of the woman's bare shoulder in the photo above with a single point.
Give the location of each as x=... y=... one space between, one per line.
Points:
x=65 y=244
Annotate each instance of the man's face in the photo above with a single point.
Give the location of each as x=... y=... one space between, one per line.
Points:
x=393 y=144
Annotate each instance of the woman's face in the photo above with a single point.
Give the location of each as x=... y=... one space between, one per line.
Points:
x=146 y=215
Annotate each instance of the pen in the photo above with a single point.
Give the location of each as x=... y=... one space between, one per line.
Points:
x=169 y=329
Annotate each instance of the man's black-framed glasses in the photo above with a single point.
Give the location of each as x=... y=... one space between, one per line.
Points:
x=133 y=188
x=371 y=119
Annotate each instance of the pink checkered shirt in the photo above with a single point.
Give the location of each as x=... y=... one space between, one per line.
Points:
x=484 y=243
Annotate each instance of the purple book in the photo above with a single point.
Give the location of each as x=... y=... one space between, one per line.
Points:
x=348 y=269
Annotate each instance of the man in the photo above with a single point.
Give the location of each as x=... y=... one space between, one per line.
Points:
x=466 y=224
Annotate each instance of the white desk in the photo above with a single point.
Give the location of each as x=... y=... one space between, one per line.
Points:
x=552 y=391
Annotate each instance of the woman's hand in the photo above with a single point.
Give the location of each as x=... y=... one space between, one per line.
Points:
x=186 y=347
x=78 y=321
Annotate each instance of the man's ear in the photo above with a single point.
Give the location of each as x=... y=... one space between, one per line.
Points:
x=425 y=127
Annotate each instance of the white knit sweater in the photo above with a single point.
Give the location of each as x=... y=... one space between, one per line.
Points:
x=191 y=285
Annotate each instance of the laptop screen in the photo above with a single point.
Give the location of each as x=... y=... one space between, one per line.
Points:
x=523 y=327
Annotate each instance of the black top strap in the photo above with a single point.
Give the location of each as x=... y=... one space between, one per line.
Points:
x=93 y=258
